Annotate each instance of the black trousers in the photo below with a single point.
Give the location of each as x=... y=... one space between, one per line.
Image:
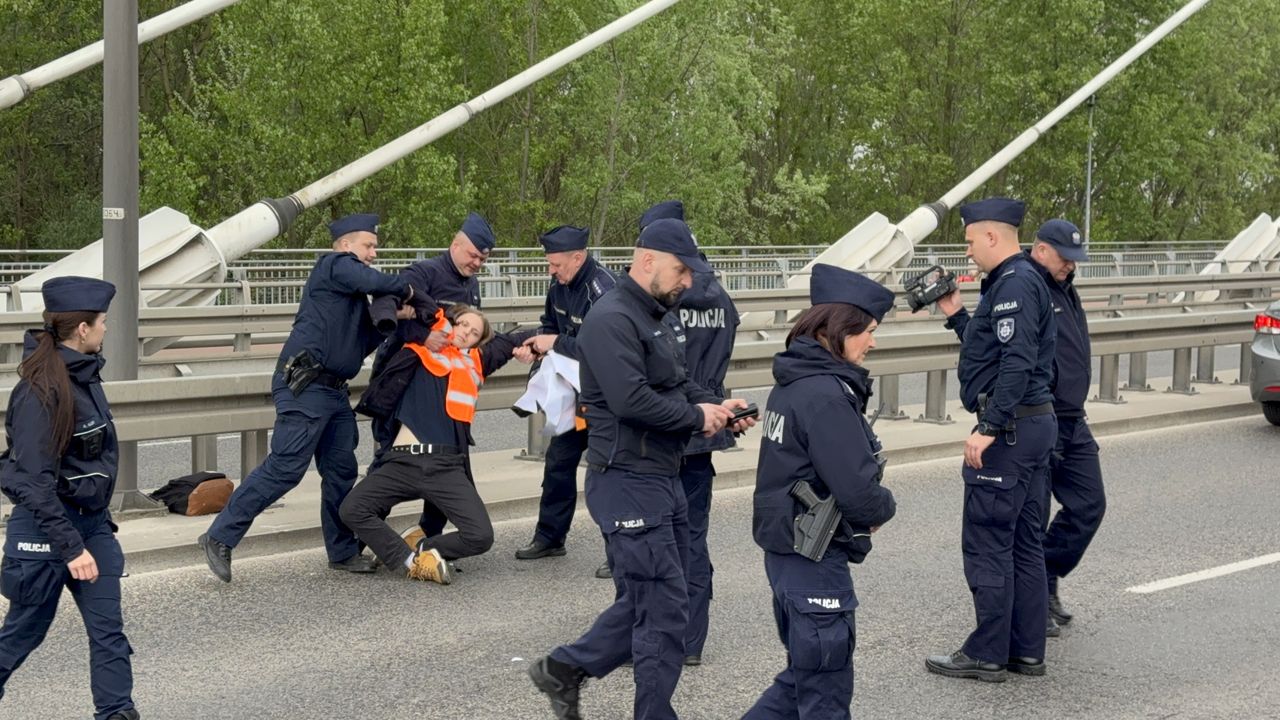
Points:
x=442 y=481
x=560 y=487
x=1075 y=479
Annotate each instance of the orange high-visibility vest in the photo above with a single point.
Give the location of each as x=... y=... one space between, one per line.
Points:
x=463 y=369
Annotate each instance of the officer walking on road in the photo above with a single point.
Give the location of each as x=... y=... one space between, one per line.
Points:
x=708 y=322
x=1075 y=475
x=815 y=433
x=641 y=410
x=332 y=334
x=60 y=472
x=1005 y=367
x=578 y=282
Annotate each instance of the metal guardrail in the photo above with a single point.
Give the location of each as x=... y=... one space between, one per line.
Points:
x=521 y=272
x=241 y=327
x=202 y=407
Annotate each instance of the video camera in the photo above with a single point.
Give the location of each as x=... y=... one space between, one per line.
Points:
x=928 y=287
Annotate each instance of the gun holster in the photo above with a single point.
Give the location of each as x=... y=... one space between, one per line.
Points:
x=813 y=529
x=300 y=371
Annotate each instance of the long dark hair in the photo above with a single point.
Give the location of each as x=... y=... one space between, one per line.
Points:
x=830 y=324
x=47 y=374
x=457 y=310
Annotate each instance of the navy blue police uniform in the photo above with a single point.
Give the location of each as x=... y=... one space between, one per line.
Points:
x=705 y=324
x=334 y=327
x=439 y=279
x=566 y=308
x=640 y=411
x=814 y=430
x=1005 y=367
x=61 y=510
x=709 y=322
x=1075 y=473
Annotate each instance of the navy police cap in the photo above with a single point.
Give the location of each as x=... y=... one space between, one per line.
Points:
x=831 y=284
x=1065 y=237
x=361 y=222
x=478 y=232
x=997 y=209
x=72 y=293
x=672 y=236
x=565 y=238
x=671 y=209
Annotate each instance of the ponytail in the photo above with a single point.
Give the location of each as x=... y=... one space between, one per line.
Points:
x=47 y=375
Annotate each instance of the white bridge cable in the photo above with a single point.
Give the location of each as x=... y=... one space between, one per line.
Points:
x=15 y=88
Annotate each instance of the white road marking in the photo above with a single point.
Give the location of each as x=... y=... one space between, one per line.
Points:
x=1209 y=574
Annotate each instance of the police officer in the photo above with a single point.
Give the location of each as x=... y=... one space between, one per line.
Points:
x=1005 y=367
x=447 y=278
x=579 y=281
x=1075 y=475
x=814 y=432
x=60 y=472
x=331 y=336
x=707 y=321
x=641 y=409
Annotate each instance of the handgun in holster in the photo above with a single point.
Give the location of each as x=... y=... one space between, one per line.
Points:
x=300 y=371
x=817 y=525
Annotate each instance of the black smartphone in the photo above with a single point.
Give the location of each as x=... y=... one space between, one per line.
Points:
x=750 y=411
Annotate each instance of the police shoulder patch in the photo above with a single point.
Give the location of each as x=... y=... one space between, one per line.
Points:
x=1005 y=307
x=1004 y=329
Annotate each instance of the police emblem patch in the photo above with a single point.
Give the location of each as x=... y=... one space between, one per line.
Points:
x=1004 y=330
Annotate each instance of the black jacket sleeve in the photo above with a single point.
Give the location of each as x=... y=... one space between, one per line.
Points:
x=353 y=276
x=957 y=322
x=566 y=345
x=31 y=480
x=498 y=351
x=841 y=455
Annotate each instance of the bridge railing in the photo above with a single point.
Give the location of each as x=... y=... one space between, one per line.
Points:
x=237 y=329
x=520 y=272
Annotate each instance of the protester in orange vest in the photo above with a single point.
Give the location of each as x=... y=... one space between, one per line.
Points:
x=423 y=403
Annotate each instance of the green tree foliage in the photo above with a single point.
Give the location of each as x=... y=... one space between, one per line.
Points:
x=776 y=121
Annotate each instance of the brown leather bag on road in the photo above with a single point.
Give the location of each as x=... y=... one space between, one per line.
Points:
x=202 y=493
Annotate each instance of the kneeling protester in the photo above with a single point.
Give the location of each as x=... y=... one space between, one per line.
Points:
x=423 y=402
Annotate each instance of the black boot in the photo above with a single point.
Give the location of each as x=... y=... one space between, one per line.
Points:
x=959 y=665
x=538 y=549
x=1051 y=628
x=130 y=714
x=218 y=556
x=1026 y=666
x=604 y=572
x=358 y=563
x=1056 y=611
x=561 y=684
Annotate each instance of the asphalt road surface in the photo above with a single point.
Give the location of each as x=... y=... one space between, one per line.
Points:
x=293 y=639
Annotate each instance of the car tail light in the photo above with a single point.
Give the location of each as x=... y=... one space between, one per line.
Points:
x=1267 y=324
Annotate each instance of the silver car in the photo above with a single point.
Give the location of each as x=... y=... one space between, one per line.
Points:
x=1265 y=381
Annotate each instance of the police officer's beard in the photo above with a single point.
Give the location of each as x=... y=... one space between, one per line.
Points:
x=669 y=298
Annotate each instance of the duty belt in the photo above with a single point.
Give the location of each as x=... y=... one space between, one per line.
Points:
x=427 y=449
x=324 y=377
x=1023 y=411
x=328 y=379
x=1019 y=412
